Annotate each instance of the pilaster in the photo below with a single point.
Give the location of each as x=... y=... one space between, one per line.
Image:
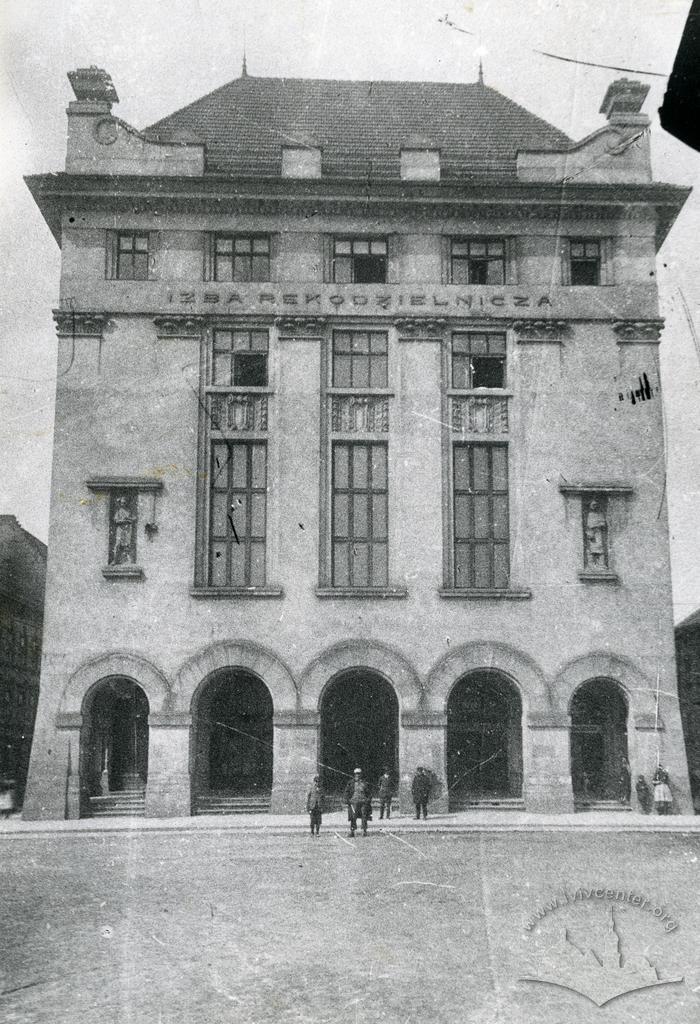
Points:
x=295 y=759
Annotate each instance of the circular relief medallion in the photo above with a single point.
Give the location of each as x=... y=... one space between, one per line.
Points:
x=106 y=131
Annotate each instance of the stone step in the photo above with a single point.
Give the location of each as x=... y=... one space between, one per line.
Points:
x=600 y=805
x=126 y=804
x=486 y=803
x=221 y=803
x=336 y=802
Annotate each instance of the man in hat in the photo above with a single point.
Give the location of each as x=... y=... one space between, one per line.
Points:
x=420 y=790
x=357 y=797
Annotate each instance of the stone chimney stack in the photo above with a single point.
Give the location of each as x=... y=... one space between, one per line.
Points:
x=623 y=101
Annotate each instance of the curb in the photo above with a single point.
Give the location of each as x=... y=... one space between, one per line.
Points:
x=209 y=824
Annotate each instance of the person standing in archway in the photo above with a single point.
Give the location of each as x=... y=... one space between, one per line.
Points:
x=314 y=805
x=357 y=797
x=663 y=798
x=420 y=790
x=386 y=792
x=625 y=780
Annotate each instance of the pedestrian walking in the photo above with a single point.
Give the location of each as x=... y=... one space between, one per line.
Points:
x=644 y=794
x=314 y=805
x=357 y=797
x=625 y=780
x=420 y=789
x=663 y=798
x=386 y=792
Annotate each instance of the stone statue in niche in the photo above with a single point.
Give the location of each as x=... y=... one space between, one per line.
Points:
x=122 y=548
x=595 y=534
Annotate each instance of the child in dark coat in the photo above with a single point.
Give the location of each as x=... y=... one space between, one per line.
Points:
x=314 y=805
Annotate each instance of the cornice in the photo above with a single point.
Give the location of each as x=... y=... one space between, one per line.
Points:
x=522 y=200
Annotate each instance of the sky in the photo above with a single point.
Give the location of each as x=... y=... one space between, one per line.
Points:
x=163 y=54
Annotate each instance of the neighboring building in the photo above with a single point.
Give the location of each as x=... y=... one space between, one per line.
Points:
x=359 y=452
x=22 y=585
x=688 y=659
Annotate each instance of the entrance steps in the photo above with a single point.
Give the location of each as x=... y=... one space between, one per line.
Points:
x=505 y=803
x=336 y=802
x=225 y=803
x=128 y=803
x=600 y=805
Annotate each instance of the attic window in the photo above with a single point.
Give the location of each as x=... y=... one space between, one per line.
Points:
x=301 y=162
x=420 y=164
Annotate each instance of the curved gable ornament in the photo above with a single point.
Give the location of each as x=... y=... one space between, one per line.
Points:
x=370 y=655
x=119 y=663
x=480 y=656
x=243 y=655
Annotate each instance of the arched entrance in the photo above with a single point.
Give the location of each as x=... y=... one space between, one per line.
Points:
x=114 y=746
x=484 y=740
x=233 y=744
x=598 y=742
x=359 y=729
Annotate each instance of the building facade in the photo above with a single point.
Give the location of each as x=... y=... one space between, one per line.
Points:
x=359 y=453
x=22 y=584
x=688 y=660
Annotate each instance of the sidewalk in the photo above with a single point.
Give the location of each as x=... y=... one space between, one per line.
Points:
x=290 y=824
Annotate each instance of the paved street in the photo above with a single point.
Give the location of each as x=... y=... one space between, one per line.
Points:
x=402 y=927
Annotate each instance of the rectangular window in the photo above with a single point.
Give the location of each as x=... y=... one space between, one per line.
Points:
x=584 y=257
x=240 y=358
x=359 y=260
x=132 y=256
x=359 y=526
x=360 y=359
x=478 y=261
x=237 y=524
x=478 y=360
x=481 y=539
x=242 y=258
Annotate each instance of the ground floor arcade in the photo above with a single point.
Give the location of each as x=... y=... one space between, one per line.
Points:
x=235 y=731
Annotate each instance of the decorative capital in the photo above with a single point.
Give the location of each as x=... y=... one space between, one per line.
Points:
x=179 y=326
x=540 y=331
x=420 y=326
x=71 y=324
x=296 y=325
x=638 y=330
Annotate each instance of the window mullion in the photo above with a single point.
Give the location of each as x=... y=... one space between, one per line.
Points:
x=370 y=517
x=248 y=502
x=492 y=530
x=351 y=514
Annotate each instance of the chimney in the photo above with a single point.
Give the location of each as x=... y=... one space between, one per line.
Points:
x=623 y=101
